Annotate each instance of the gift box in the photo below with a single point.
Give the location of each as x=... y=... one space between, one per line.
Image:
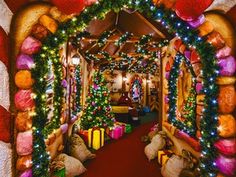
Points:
x=96 y=138
x=116 y=132
x=163 y=156
x=60 y=173
x=127 y=128
x=84 y=135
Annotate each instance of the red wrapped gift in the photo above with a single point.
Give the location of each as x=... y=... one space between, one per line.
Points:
x=84 y=135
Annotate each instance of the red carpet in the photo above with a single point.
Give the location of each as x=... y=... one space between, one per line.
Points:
x=124 y=158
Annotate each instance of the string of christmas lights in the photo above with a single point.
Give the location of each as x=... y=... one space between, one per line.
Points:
x=174 y=25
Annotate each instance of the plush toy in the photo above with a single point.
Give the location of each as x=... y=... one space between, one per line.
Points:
x=69 y=6
x=24 y=61
x=191 y=9
x=23 y=79
x=226 y=99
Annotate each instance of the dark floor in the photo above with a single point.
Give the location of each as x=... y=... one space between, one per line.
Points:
x=149 y=117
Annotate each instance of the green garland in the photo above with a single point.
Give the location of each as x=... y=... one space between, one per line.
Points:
x=123 y=39
x=175 y=26
x=189 y=124
x=77 y=108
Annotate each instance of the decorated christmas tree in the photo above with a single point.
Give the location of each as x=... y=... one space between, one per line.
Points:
x=97 y=112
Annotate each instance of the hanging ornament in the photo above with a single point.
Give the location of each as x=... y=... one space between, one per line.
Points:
x=191 y=9
x=69 y=6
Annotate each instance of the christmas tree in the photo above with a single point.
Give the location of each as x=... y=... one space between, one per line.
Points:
x=97 y=112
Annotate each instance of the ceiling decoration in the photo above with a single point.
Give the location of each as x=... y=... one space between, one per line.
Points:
x=115 y=43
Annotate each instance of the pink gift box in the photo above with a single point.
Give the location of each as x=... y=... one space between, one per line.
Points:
x=116 y=132
x=30 y=46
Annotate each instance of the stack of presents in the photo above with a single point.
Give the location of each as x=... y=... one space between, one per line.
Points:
x=95 y=137
x=172 y=165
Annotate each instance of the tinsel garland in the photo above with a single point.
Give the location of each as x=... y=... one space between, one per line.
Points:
x=175 y=26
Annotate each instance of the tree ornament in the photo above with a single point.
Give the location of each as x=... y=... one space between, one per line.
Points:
x=69 y=6
x=191 y=9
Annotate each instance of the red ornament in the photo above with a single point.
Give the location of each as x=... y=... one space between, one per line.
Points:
x=191 y=9
x=69 y=6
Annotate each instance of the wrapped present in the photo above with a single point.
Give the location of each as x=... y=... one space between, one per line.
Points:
x=127 y=127
x=84 y=135
x=116 y=132
x=96 y=138
x=163 y=156
x=60 y=173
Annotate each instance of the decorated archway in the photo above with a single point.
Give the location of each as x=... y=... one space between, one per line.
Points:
x=48 y=53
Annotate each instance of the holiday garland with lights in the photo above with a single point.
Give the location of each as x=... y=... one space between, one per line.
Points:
x=189 y=108
x=174 y=25
x=78 y=84
x=97 y=112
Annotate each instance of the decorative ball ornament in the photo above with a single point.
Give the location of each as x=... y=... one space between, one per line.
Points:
x=191 y=9
x=226 y=165
x=24 y=100
x=69 y=6
x=24 y=62
x=23 y=79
